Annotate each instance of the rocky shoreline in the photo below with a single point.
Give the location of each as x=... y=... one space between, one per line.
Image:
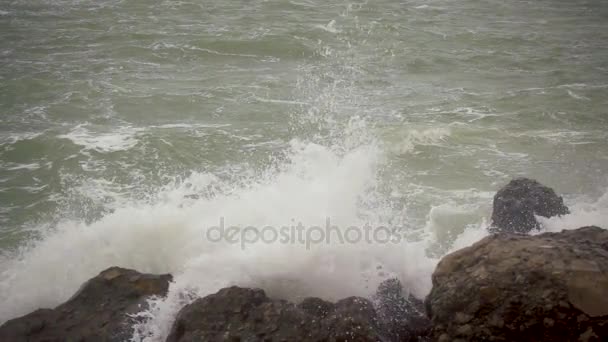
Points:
x=509 y=286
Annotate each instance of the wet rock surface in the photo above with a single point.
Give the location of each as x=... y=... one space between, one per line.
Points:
x=249 y=315
x=516 y=204
x=97 y=312
x=402 y=315
x=549 y=287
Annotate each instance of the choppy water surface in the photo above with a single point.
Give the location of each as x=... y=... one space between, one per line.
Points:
x=128 y=127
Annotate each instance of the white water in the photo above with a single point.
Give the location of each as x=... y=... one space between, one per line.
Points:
x=120 y=139
x=169 y=236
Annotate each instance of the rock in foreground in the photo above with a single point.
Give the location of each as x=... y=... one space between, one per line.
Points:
x=97 y=312
x=549 y=287
x=101 y=309
x=516 y=204
x=402 y=316
x=241 y=314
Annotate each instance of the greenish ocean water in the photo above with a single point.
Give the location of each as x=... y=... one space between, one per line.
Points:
x=129 y=127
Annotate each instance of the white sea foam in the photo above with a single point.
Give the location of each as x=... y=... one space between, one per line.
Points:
x=189 y=126
x=17 y=167
x=123 y=138
x=169 y=236
x=415 y=137
x=12 y=138
x=582 y=213
x=330 y=27
x=576 y=96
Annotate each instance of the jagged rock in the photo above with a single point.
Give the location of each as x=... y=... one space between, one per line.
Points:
x=516 y=204
x=240 y=314
x=402 y=317
x=353 y=319
x=97 y=312
x=507 y=287
x=316 y=307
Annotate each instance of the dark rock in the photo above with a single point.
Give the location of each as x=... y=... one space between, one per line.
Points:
x=240 y=314
x=353 y=319
x=516 y=204
x=549 y=287
x=316 y=307
x=402 y=317
x=97 y=312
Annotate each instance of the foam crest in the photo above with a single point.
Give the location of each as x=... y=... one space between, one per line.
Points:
x=169 y=236
x=122 y=138
x=414 y=138
x=582 y=213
